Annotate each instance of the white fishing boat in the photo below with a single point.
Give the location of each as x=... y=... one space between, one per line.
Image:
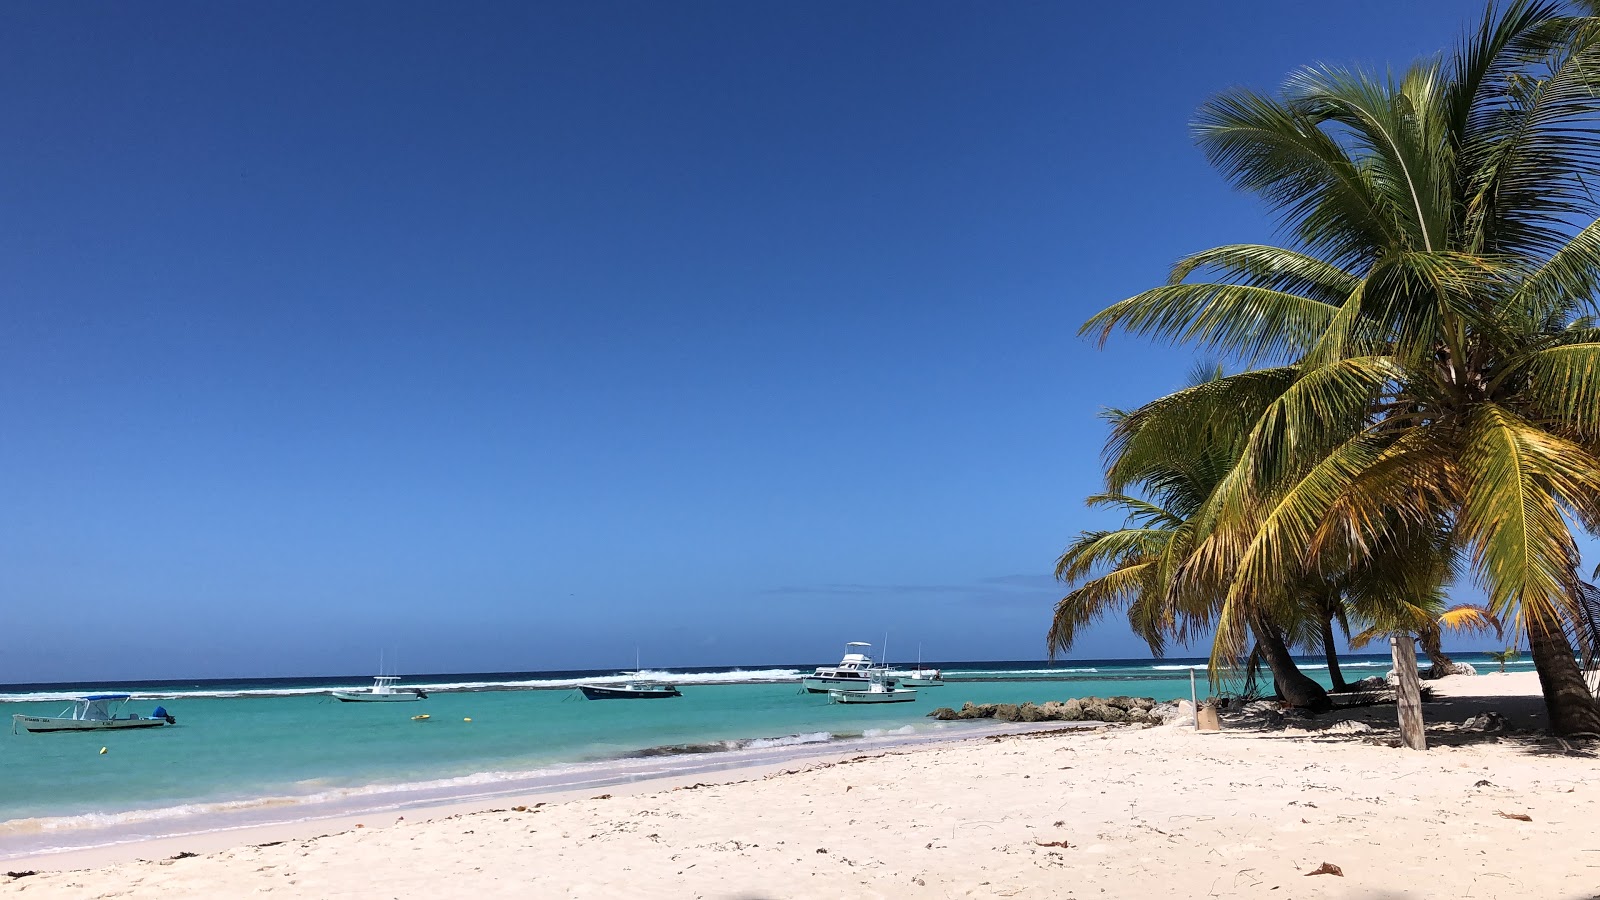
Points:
x=918 y=677
x=383 y=690
x=852 y=673
x=96 y=712
x=879 y=689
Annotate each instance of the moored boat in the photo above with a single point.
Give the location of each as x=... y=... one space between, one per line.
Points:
x=383 y=690
x=95 y=712
x=630 y=690
x=919 y=677
x=880 y=689
x=853 y=673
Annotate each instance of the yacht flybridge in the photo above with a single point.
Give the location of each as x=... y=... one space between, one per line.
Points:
x=853 y=673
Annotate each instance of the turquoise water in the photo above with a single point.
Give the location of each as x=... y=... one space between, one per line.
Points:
x=237 y=742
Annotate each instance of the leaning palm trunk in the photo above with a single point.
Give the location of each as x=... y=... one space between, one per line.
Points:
x=1329 y=650
x=1294 y=686
x=1573 y=710
x=1430 y=637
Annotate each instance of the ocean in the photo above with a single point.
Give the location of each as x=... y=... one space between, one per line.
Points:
x=276 y=750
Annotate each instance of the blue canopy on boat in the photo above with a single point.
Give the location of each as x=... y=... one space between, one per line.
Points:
x=108 y=696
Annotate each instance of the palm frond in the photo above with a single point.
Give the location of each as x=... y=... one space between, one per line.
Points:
x=1252 y=323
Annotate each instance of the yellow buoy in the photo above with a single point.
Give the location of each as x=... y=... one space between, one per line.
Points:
x=467 y=719
x=421 y=718
x=102 y=751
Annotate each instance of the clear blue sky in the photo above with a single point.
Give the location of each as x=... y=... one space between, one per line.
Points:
x=513 y=335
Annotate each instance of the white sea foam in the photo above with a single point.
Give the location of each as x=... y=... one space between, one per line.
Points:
x=52 y=834
x=738 y=676
x=788 y=740
x=887 y=732
x=1004 y=672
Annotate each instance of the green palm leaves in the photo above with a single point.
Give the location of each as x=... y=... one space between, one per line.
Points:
x=1433 y=379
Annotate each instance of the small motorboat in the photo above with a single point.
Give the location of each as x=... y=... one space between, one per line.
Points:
x=95 y=712
x=630 y=690
x=383 y=690
x=880 y=689
x=851 y=674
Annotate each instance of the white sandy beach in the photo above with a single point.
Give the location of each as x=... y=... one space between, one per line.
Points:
x=1114 y=813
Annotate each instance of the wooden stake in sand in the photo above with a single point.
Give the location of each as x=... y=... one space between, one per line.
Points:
x=1408 y=691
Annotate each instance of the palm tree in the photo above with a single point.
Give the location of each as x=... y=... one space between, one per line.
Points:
x=1430 y=628
x=1508 y=655
x=1175 y=464
x=1436 y=369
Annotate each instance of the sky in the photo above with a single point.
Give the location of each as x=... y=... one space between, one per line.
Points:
x=516 y=336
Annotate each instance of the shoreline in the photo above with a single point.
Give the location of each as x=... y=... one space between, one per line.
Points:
x=217 y=829
x=1251 y=811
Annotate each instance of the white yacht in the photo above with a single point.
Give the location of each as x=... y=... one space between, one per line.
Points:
x=853 y=673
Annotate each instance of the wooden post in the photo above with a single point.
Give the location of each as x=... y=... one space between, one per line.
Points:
x=1194 y=698
x=1408 y=691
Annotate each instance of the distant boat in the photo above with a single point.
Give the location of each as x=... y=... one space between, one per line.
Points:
x=630 y=690
x=880 y=689
x=383 y=690
x=919 y=677
x=636 y=686
x=852 y=672
x=93 y=713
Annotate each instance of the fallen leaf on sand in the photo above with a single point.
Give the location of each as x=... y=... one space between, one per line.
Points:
x=1327 y=869
x=1520 y=817
x=1053 y=843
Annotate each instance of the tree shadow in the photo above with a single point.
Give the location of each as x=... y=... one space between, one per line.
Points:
x=1522 y=723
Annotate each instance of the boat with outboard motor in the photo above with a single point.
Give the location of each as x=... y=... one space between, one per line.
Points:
x=880 y=689
x=383 y=690
x=851 y=674
x=633 y=689
x=95 y=712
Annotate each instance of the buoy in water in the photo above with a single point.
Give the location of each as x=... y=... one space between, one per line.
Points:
x=102 y=751
x=467 y=719
x=421 y=718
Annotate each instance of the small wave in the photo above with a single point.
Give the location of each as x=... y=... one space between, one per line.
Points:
x=1199 y=667
x=889 y=732
x=761 y=743
x=965 y=673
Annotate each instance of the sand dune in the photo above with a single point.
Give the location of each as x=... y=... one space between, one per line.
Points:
x=1158 y=812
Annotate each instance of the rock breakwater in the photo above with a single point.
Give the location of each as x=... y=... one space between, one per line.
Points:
x=1078 y=709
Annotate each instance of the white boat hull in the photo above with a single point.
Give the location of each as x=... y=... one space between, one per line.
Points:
x=914 y=681
x=822 y=684
x=894 y=695
x=44 y=724
x=369 y=697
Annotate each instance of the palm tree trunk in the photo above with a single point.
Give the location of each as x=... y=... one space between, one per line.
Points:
x=1328 y=650
x=1441 y=665
x=1293 y=685
x=1572 y=709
